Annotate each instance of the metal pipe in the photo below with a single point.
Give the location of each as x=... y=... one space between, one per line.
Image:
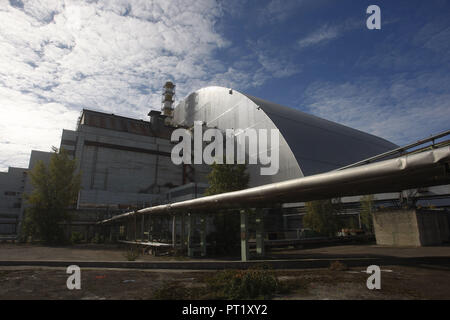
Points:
x=423 y=169
x=397 y=150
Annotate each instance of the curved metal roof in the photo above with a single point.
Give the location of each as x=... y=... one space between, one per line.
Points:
x=308 y=144
x=321 y=145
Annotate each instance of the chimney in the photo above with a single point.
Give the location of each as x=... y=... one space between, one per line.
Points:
x=167 y=99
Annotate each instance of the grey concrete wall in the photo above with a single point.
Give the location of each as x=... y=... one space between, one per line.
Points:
x=413 y=227
x=112 y=176
x=396 y=228
x=11 y=189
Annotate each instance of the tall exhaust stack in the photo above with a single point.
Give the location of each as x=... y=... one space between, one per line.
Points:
x=167 y=100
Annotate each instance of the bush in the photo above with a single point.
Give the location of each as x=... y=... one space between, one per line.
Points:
x=256 y=283
x=98 y=238
x=76 y=237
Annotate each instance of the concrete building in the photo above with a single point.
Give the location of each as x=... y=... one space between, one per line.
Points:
x=14 y=184
x=124 y=162
x=11 y=192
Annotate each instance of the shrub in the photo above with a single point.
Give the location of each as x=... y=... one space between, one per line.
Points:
x=77 y=237
x=98 y=238
x=256 y=283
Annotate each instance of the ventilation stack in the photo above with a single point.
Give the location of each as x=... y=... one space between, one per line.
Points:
x=167 y=100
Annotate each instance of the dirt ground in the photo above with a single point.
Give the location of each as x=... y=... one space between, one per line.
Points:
x=99 y=252
x=397 y=282
x=318 y=284
x=82 y=252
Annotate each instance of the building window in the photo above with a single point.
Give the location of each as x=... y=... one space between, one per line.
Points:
x=10 y=193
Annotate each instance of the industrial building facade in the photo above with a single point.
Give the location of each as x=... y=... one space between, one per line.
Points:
x=123 y=161
x=126 y=163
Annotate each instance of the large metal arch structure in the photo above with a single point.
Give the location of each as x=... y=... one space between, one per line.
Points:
x=308 y=144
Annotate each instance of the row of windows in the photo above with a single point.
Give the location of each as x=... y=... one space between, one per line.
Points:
x=12 y=193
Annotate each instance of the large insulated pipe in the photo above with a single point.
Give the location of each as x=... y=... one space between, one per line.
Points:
x=423 y=169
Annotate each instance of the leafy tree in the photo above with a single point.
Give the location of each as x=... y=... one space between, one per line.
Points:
x=226 y=178
x=367 y=209
x=321 y=216
x=56 y=188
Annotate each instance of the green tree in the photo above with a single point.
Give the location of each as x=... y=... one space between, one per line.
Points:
x=226 y=178
x=56 y=188
x=367 y=209
x=321 y=216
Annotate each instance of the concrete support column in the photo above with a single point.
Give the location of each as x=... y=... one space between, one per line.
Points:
x=174 y=231
x=115 y=232
x=150 y=228
x=203 y=236
x=142 y=227
x=182 y=232
x=359 y=220
x=190 y=236
x=129 y=229
x=244 y=236
x=260 y=233
x=135 y=228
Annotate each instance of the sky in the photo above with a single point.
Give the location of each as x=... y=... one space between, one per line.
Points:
x=60 y=56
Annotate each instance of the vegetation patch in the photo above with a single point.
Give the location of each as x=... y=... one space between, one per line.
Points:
x=338 y=266
x=132 y=254
x=175 y=291
x=77 y=237
x=255 y=283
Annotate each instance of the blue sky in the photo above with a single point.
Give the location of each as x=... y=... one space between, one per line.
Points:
x=58 y=57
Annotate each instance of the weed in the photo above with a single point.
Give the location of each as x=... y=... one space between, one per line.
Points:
x=338 y=266
x=131 y=254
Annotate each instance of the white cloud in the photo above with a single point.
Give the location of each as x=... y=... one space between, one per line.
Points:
x=321 y=35
x=401 y=109
x=278 y=10
x=27 y=124
x=326 y=33
x=61 y=56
